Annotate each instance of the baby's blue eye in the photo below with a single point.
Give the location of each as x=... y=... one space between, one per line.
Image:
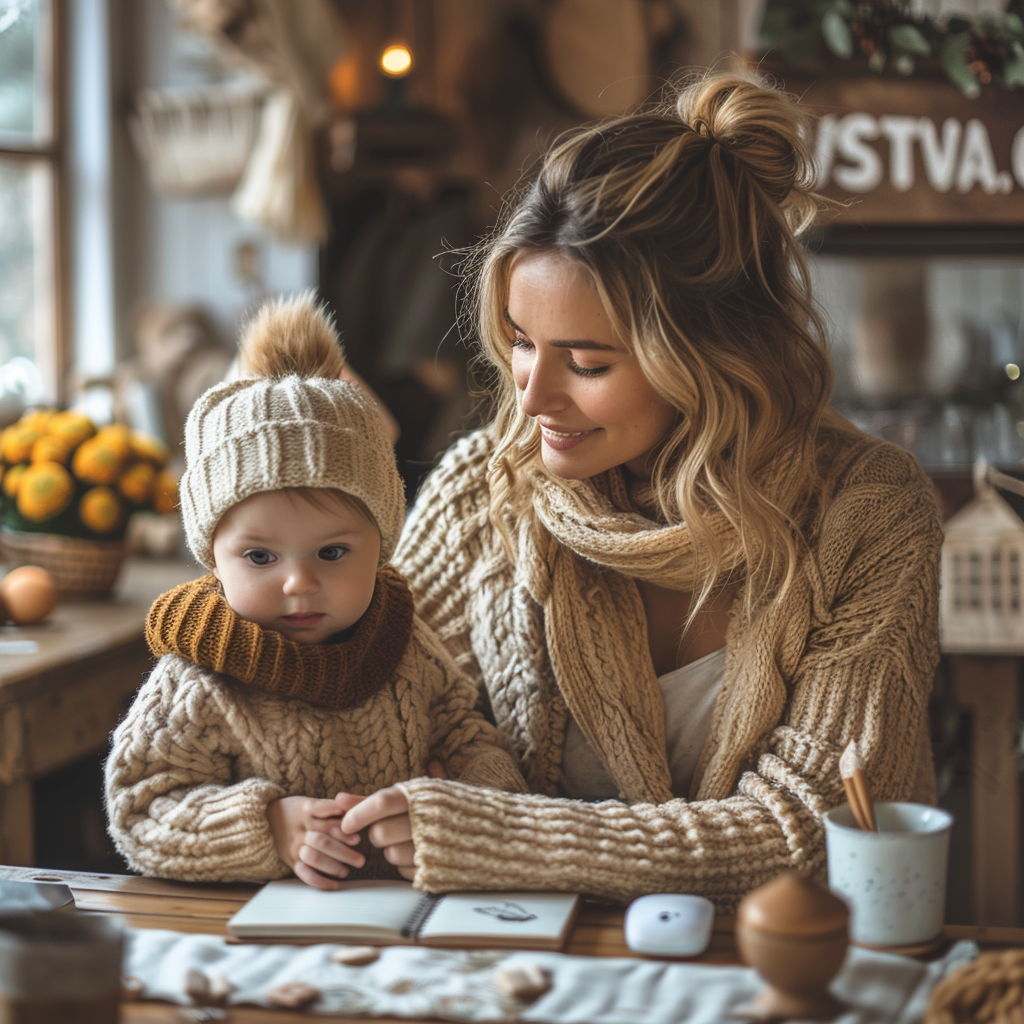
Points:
x=331 y=553
x=259 y=557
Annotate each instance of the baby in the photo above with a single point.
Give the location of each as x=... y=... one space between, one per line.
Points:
x=296 y=676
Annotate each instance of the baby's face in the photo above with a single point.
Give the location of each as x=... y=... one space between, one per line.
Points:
x=305 y=570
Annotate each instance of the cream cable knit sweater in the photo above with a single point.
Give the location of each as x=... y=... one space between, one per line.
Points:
x=851 y=653
x=199 y=756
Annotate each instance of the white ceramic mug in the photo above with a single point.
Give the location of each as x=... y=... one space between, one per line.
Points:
x=894 y=879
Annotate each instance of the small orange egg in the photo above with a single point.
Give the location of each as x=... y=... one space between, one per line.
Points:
x=28 y=594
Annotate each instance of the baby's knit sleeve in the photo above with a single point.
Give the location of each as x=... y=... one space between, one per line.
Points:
x=173 y=807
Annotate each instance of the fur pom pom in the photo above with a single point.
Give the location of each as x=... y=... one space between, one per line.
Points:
x=292 y=336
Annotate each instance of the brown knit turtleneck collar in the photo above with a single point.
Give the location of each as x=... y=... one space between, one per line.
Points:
x=195 y=621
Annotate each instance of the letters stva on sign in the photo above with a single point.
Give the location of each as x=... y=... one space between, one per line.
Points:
x=917 y=152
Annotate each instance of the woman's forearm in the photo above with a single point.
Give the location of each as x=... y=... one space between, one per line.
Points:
x=484 y=839
x=472 y=839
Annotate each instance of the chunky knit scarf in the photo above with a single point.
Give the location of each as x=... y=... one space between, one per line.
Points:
x=595 y=627
x=195 y=621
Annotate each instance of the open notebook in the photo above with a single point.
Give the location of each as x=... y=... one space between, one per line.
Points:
x=394 y=913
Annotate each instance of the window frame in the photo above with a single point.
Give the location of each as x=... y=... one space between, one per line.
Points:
x=54 y=154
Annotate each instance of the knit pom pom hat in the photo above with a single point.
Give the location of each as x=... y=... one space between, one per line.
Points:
x=291 y=423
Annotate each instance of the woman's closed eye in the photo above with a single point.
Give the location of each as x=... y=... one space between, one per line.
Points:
x=525 y=345
x=259 y=556
x=586 y=371
x=331 y=553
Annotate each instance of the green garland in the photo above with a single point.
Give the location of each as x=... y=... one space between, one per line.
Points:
x=971 y=52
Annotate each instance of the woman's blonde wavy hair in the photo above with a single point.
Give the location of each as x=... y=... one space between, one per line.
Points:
x=685 y=217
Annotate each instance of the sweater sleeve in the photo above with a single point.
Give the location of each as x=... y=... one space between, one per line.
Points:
x=865 y=673
x=471 y=749
x=441 y=542
x=174 y=808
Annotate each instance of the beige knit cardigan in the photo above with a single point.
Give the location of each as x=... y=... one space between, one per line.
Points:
x=199 y=756
x=850 y=653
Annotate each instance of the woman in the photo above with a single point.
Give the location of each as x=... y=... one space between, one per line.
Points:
x=683 y=582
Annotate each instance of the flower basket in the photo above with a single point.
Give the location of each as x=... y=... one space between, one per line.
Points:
x=67 y=491
x=79 y=567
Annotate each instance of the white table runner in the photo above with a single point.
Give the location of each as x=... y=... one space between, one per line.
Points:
x=459 y=985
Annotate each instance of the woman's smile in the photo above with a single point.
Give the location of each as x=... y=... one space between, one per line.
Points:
x=563 y=440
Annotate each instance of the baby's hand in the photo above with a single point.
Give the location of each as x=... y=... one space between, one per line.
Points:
x=385 y=816
x=308 y=837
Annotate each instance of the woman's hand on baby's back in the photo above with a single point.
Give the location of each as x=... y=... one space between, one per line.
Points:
x=308 y=837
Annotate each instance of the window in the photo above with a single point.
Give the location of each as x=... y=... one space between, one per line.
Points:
x=30 y=154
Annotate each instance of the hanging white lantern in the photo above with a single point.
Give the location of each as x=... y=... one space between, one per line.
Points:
x=982 y=598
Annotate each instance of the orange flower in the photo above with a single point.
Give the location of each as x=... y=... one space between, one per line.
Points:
x=150 y=448
x=136 y=483
x=51 y=449
x=12 y=478
x=16 y=443
x=96 y=462
x=45 y=490
x=101 y=509
x=71 y=426
x=38 y=421
x=117 y=437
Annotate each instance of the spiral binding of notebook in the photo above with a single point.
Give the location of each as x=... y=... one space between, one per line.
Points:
x=421 y=915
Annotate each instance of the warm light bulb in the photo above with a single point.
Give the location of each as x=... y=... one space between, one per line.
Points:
x=1012 y=371
x=396 y=60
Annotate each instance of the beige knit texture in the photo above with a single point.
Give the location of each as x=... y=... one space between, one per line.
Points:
x=199 y=756
x=265 y=434
x=850 y=652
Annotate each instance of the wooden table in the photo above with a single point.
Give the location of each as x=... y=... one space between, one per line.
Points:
x=59 y=705
x=205 y=910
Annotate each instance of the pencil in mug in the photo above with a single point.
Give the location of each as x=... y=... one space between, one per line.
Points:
x=856 y=785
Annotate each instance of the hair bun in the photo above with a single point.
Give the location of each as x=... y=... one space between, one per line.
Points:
x=293 y=335
x=759 y=125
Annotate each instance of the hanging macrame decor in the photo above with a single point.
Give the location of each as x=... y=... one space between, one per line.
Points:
x=196 y=141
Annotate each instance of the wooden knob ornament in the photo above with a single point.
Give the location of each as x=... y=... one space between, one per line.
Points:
x=794 y=933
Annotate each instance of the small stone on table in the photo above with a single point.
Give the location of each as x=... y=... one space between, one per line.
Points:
x=355 y=956
x=525 y=982
x=293 y=995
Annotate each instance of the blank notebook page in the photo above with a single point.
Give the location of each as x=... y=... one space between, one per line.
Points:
x=291 y=902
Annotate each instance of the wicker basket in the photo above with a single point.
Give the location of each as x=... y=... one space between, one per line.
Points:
x=82 y=568
x=196 y=141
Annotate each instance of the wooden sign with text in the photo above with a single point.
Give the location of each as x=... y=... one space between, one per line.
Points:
x=914 y=151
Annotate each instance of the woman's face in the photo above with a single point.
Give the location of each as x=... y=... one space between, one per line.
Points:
x=594 y=406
